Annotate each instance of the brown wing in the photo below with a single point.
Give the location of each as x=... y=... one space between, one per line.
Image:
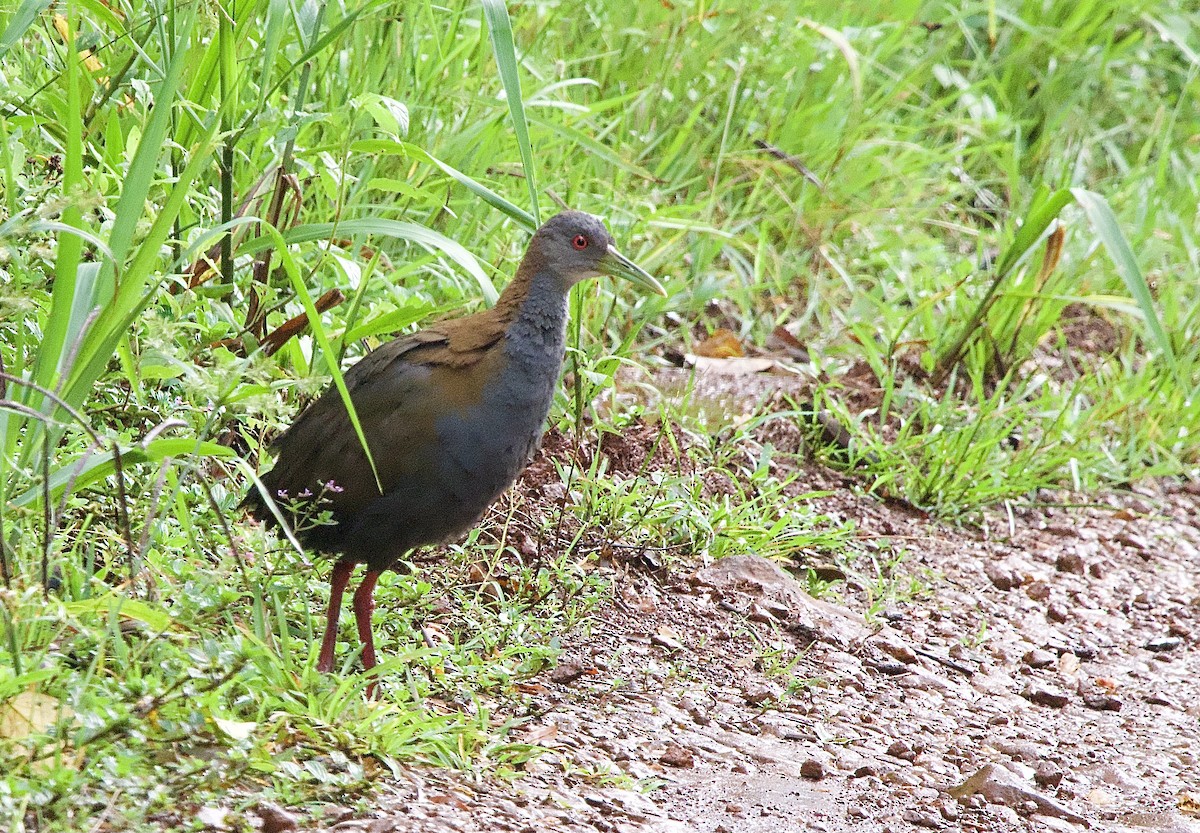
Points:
x=399 y=390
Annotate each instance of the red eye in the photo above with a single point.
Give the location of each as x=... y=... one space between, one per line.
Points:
x=580 y=242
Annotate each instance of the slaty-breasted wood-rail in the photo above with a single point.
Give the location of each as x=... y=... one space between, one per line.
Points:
x=451 y=415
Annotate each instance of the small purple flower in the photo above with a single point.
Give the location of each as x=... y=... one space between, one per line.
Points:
x=305 y=494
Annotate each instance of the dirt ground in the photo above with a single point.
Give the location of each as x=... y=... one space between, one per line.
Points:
x=1047 y=680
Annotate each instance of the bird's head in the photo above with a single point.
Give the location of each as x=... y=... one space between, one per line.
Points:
x=577 y=246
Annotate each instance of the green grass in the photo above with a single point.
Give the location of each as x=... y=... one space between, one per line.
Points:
x=987 y=183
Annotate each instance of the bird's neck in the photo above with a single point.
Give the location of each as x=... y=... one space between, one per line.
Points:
x=537 y=318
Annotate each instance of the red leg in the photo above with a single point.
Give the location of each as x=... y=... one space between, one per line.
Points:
x=364 y=606
x=342 y=571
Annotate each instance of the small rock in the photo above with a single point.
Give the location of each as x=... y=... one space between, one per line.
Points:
x=677 y=756
x=920 y=819
x=1154 y=698
x=1048 y=775
x=760 y=614
x=1102 y=702
x=694 y=711
x=1045 y=696
x=275 y=819
x=1023 y=751
x=1163 y=643
x=1038 y=658
x=1038 y=590
x=900 y=749
x=999 y=786
x=812 y=769
x=1132 y=541
x=1085 y=651
x=949 y=810
x=664 y=641
x=1001 y=575
x=896 y=778
x=855 y=811
x=1057 y=612
x=769 y=585
x=828 y=572
x=866 y=771
x=566 y=673
x=897 y=649
x=758 y=694
x=1070 y=562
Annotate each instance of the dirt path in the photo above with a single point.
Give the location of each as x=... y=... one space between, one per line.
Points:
x=1059 y=647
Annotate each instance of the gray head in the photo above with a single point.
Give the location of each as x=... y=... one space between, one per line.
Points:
x=577 y=246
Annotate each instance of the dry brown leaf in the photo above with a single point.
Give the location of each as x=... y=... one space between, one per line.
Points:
x=538 y=734
x=722 y=344
x=1189 y=803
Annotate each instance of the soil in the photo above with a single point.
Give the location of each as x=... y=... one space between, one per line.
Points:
x=1038 y=672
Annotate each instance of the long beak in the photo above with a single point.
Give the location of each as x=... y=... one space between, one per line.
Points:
x=618 y=266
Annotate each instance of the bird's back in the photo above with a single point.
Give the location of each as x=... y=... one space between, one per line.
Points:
x=451 y=419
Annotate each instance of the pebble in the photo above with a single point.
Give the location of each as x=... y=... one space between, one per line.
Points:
x=275 y=819
x=1038 y=590
x=1037 y=658
x=1057 y=612
x=758 y=694
x=1164 y=643
x=1045 y=695
x=1048 y=775
x=1070 y=562
x=916 y=817
x=1020 y=750
x=677 y=756
x=812 y=769
x=566 y=673
x=1102 y=702
x=949 y=810
x=1002 y=576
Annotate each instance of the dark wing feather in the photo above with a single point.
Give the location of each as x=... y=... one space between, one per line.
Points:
x=398 y=390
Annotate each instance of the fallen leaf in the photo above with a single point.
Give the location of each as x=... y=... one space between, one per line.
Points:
x=1189 y=803
x=28 y=713
x=538 y=734
x=722 y=344
x=735 y=366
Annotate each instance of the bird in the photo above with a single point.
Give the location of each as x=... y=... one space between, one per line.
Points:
x=451 y=415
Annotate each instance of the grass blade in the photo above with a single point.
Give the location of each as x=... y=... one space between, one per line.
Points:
x=500 y=30
x=1121 y=253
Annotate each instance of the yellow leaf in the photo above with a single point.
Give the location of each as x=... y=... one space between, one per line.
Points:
x=64 y=32
x=29 y=713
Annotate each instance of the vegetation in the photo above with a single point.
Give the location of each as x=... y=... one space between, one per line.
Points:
x=980 y=218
